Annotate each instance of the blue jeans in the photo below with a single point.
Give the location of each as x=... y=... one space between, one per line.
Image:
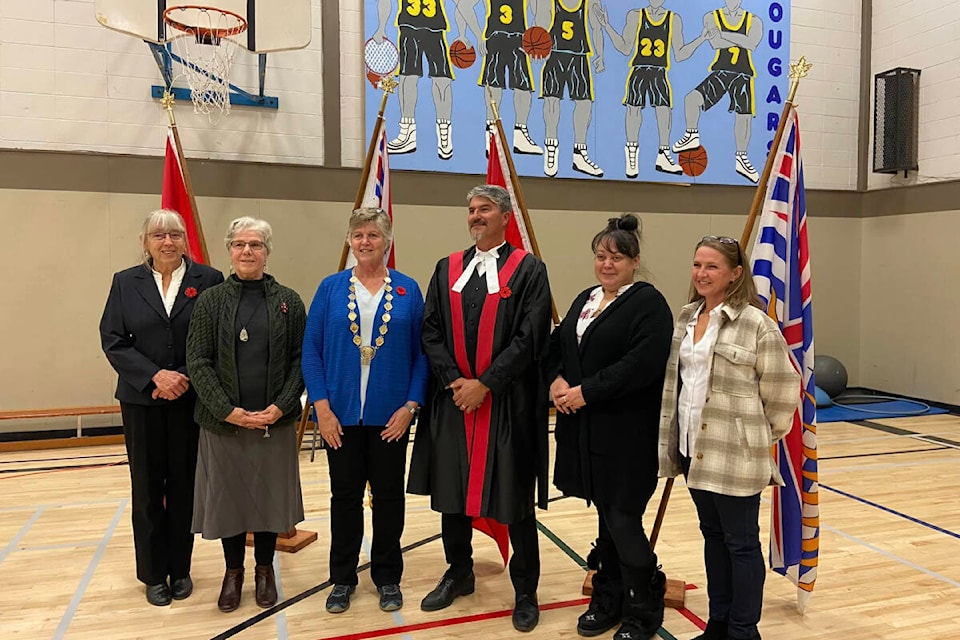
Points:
x=734 y=560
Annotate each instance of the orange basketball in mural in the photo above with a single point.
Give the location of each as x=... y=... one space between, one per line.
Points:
x=693 y=161
x=461 y=55
x=536 y=41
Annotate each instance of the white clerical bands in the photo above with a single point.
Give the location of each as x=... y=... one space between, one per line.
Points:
x=485 y=262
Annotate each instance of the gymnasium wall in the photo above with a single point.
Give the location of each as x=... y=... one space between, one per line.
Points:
x=922 y=35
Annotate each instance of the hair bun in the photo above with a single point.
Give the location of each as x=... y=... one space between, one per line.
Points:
x=627 y=222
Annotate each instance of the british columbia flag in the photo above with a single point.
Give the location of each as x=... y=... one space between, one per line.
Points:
x=376 y=192
x=781 y=271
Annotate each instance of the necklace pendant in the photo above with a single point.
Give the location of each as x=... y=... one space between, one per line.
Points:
x=366 y=354
x=244 y=336
x=266 y=431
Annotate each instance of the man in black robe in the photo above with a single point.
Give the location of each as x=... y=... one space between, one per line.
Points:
x=481 y=445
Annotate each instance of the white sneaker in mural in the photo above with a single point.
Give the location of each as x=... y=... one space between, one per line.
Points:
x=690 y=140
x=746 y=169
x=630 y=151
x=665 y=162
x=550 y=164
x=583 y=163
x=444 y=139
x=523 y=143
x=406 y=140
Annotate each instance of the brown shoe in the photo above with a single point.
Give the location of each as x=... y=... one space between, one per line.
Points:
x=266 y=586
x=230 y=591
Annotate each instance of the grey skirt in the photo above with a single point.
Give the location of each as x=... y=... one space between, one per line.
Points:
x=246 y=482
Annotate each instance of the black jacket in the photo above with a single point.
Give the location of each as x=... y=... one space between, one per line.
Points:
x=139 y=338
x=607 y=451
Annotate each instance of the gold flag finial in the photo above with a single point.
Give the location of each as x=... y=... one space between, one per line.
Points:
x=167 y=100
x=387 y=84
x=800 y=68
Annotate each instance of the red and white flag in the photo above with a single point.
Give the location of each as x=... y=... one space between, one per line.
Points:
x=498 y=172
x=376 y=193
x=175 y=197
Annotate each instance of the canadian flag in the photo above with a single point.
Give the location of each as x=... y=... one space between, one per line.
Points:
x=497 y=172
x=175 y=197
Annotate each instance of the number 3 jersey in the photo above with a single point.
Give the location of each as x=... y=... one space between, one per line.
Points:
x=505 y=16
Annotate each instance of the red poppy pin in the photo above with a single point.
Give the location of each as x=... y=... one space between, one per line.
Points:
x=401 y=291
x=190 y=292
x=283 y=307
x=505 y=292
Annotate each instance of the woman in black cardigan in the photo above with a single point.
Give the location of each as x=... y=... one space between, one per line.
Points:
x=607 y=361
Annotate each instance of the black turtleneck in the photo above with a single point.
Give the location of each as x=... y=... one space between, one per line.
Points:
x=252 y=354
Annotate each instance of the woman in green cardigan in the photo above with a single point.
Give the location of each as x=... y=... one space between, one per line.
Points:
x=243 y=357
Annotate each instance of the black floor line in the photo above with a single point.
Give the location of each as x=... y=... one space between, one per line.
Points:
x=885 y=453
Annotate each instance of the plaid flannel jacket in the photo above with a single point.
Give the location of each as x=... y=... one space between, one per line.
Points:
x=752 y=393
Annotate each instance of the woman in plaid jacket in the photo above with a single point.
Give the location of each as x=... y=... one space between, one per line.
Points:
x=730 y=392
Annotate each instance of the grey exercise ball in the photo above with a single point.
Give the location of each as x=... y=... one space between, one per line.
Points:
x=830 y=375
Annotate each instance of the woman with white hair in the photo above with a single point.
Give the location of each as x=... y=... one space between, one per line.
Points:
x=366 y=376
x=144 y=336
x=243 y=354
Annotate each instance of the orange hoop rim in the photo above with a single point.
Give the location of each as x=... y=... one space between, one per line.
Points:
x=217 y=33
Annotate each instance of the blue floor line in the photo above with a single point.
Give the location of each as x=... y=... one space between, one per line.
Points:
x=15 y=542
x=893 y=511
x=282 y=632
x=398 y=619
x=88 y=574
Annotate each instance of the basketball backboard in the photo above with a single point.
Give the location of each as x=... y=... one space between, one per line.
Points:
x=272 y=25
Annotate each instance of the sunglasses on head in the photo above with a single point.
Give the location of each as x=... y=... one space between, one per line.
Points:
x=724 y=240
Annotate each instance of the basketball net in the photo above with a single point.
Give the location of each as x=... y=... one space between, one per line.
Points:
x=206 y=50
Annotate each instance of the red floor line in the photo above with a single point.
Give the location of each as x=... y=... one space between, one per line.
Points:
x=449 y=622
x=692 y=617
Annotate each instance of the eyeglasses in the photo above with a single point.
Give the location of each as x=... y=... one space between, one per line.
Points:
x=724 y=240
x=255 y=246
x=160 y=236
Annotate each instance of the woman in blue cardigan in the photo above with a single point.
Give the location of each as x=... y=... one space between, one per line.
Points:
x=366 y=375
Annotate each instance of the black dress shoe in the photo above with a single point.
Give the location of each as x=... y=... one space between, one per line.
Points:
x=181 y=588
x=158 y=594
x=715 y=630
x=447 y=591
x=526 y=612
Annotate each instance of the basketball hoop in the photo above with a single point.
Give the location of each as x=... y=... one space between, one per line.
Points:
x=206 y=49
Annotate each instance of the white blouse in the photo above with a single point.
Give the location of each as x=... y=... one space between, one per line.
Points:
x=695 y=377
x=175 y=280
x=367 y=305
x=591 y=309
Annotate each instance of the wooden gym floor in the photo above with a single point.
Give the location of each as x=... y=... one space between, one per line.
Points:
x=889 y=555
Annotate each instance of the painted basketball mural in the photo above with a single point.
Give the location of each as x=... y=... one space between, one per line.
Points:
x=586 y=89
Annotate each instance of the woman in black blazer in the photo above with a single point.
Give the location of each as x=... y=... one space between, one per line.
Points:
x=606 y=363
x=144 y=336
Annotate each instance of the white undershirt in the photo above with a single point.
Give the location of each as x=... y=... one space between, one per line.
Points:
x=367 y=305
x=175 y=279
x=695 y=377
x=589 y=312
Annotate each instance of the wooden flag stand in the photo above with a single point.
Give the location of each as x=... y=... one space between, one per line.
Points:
x=676 y=589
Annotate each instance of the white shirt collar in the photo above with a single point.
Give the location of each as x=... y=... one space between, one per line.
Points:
x=484 y=262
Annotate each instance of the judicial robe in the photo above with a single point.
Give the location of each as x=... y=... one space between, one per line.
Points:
x=465 y=466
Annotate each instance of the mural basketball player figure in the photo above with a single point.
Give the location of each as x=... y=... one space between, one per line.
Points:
x=503 y=54
x=423 y=34
x=648 y=35
x=568 y=67
x=734 y=33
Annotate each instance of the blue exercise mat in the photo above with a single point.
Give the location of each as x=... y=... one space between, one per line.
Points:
x=873 y=410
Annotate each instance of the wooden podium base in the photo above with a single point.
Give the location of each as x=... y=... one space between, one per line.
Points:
x=291 y=541
x=674 y=597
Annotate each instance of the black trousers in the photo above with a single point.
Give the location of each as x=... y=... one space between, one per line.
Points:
x=235 y=548
x=457 y=534
x=161 y=446
x=733 y=558
x=365 y=457
x=623 y=533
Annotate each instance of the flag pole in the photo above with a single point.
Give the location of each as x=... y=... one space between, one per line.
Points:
x=797 y=71
x=387 y=85
x=515 y=183
x=167 y=102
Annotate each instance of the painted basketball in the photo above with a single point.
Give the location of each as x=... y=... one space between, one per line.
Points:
x=693 y=161
x=536 y=41
x=461 y=55
x=381 y=57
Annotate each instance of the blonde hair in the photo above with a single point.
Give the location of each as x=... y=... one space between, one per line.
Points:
x=375 y=215
x=742 y=291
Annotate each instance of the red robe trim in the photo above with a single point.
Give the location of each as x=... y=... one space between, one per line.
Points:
x=477 y=425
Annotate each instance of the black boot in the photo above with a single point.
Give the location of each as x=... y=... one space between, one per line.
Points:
x=642 y=603
x=606 y=599
x=716 y=630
